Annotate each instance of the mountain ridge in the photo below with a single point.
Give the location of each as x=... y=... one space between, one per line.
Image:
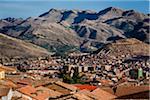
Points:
x=57 y=28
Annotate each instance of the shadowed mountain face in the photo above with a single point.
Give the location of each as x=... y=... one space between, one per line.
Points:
x=57 y=28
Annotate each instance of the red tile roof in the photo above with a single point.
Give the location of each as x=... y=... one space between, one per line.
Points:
x=7 y=69
x=39 y=93
x=88 y=87
x=27 y=90
x=3 y=91
x=127 y=90
x=103 y=95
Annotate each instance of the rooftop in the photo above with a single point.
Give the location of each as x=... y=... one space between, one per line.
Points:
x=39 y=93
x=103 y=95
x=4 y=91
x=88 y=87
x=67 y=86
x=7 y=69
x=126 y=90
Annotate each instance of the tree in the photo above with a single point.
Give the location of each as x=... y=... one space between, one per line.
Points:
x=76 y=78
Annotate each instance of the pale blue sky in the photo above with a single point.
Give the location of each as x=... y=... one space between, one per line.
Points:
x=27 y=8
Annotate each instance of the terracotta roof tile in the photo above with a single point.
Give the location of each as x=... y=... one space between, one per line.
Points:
x=4 y=91
x=88 y=93
x=67 y=86
x=126 y=90
x=7 y=69
x=82 y=97
x=27 y=90
x=8 y=83
x=39 y=93
x=26 y=81
x=103 y=95
x=59 y=89
x=88 y=87
x=48 y=92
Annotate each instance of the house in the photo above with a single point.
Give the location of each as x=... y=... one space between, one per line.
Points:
x=140 y=95
x=2 y=74
x=107 y=67
x=8 y=83
x=25 y=92
x=38 y=93
x=133 y=92
x=58 y=88
x=51 y=93
x=8 y=69
x=130 y=92
x=5 y=93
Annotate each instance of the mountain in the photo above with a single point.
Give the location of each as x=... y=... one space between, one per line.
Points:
x=70 y=16
x=82 y=29
x=110 y=13
x=134 y=24
x=10 y=21
x=43 y=33
x=11 y=47
x=97 y=30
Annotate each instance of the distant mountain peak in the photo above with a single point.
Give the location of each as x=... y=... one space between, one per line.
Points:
x=54 y=10
x=51 y=11
x=110 y=9
x=110 y=13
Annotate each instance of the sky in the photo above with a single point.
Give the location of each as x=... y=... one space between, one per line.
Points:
x=33 y=8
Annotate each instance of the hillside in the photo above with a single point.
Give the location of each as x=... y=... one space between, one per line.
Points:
x=125 y=47
x=11 y=47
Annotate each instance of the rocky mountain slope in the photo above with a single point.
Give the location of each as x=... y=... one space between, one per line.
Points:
x=11 y=47
x=78 y=28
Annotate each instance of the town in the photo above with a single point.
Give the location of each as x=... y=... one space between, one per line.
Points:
x=74 y=50
x=79 y=76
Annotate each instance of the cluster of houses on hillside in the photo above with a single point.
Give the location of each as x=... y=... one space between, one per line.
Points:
x=103 y=78
x=92 y=67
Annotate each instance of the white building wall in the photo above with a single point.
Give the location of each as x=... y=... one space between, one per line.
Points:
x=85 y=68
